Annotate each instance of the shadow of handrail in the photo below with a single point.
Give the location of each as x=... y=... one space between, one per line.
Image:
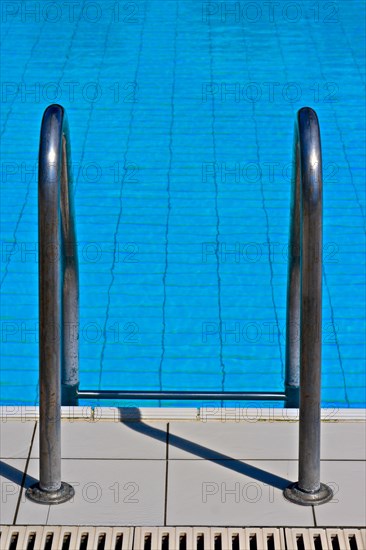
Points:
x=16 y=476
x=235 y=464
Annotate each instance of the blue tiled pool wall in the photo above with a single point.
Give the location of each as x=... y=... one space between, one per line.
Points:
x=181 y=119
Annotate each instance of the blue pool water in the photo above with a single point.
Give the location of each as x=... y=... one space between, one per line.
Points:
x=181 y=118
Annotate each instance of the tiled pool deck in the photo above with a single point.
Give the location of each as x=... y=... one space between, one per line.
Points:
x=183 y=467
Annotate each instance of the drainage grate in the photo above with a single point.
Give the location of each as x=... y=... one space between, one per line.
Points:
x=325 y=539
x=179 y=538
x=66 y=538
x=208 y=538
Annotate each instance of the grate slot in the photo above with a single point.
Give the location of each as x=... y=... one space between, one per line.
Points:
x=31 y=541
x=353 y=539
x=119 y=541
x=48 y=542
x=84 y=541
x=300 y=542
x=101 y=542
x=253 y=542
x=335 y=542
x=352 y=542
x=270 y=542
x=317 y=542
x=165 y=541
x=183 y=542
x=200 y=541
x=218 y=542
x=235 y=542
x=147 y=542
x=66 y=541
x=14 y=541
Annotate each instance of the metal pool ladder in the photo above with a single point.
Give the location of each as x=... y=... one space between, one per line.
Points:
x=59 y=296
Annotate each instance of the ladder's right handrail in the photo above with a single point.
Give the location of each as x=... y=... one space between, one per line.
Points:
x=304 y=306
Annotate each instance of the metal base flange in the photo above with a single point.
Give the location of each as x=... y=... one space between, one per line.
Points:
x=63 y=494
x=293 y=493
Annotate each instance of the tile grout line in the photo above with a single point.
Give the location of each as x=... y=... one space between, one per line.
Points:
x=48 y=514
x=353 y=185
x=133 y=536
x=91 y=109
x=5 y=128
x=314 y=516
x=218 y=220
x=169 y=203
x=166 y=473
x=266 y=216
x=66 y=60
x=121 y=190
x=25 y=472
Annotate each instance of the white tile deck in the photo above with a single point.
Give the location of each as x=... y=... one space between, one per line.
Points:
x=240 y=440
x=110 y=440
x=183 y=472
x=107 y=492
x=348 y=481
x=15 y=438
x=11 y=473
x=232 y=492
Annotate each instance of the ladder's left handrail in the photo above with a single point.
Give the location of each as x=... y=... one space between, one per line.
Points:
x=58 y=299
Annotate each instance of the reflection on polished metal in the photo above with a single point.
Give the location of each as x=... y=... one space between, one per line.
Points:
x=182 y=395
x=305 y=305
x=58 y=301
x=292 y=381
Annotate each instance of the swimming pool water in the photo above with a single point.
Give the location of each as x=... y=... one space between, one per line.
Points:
x=181 y=117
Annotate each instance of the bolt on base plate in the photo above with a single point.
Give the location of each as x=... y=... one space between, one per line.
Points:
x=63 y=494
x=294 y=494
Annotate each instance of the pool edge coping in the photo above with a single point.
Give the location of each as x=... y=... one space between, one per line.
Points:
x=25 y=413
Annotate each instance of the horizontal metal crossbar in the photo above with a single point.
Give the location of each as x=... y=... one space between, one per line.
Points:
x=182 y=395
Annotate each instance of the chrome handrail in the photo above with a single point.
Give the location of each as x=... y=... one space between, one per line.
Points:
x=58 y=309
x=304 y=306
x=58 y=300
